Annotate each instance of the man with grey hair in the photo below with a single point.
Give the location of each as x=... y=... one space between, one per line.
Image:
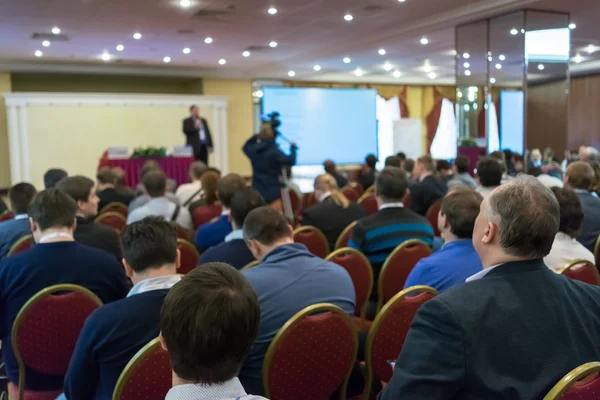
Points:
x=515 y=328
x=588 y=153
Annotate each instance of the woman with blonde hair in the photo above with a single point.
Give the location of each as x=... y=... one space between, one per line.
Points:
x=334 y=212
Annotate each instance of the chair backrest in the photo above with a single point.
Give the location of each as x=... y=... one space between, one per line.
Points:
x=6 y=215
x=24 y=243
x=344 y=238
x=115 y=207
x=313 y=239
x=369 y=203
x=397 y=267
x=311 y=356
x=204 y=214
x=597 y=251
x=432 y=216
x=582 y=270
x=182 y=233
x=582 y=383
x=251 y=265
x=147 y=376
x=388 y=332
x=359 y=269
x=46 y=329
x=308 y=200
x=189 y=256
x=350 y=193
x=295 y=201
x=113 y=219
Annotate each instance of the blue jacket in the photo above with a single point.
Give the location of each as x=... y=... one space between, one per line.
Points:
x=450 y=266
x=10 y=232
x=235 y=253
x=288 y=280
x=213 y=233
x=267 y=160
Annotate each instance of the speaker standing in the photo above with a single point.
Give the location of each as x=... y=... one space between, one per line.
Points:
x=198 y=134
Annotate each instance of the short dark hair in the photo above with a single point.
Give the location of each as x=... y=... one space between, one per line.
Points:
x=20 y=196
x=193 y=106
x=462 y=164
x=391 y=184
x=209 y=322
x=442 y=165
x=197 y=168
x=401 y=156
x=489 y=172
x=53 y=176
x=227 y=187
x=148 y=166
x=461 y=208
x=528 y=217
x=392 y=161
x=535 y=171
x=244 y=201
x=52 y=208
x=571 y=213
x=266 y=226
x=409 y=165
x=106 y=175
x=78 y=187
x=371 y=160
x=581 y=175
x=155 y=183
x=149 y=243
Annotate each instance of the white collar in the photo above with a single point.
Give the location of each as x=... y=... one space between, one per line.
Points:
x=230 y=389
x=237 y=234
x=482 y=273
x=398 y=204
x=156 y=283
x=55 y=235
x=325 y=195
x=225 y=212
x=425 y=175
x=21 y=216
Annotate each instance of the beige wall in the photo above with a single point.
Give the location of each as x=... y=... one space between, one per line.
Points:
x=4 y=160
x=239 y=118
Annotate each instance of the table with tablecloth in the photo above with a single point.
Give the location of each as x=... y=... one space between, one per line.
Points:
x=176 y=168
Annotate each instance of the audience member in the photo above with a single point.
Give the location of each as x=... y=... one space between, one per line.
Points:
x=509 y=158
x=368 y=172
x=489 y=173
x=500 y=157
x=379 y=234
x=462 y=178
x=535 y=159
x=209 y=182
x=208 y=323
x=392 y=161
x=333 y=212
x=155 y=186
x=114 y=333
x=53 y=176
x=587 y=153
x=547 y=180
x=56 y=259
x=213 y=233
x=143 y=197
x=331 y=169
x=3 y=207
x=107 y=190
x=445 y=171
x=233 y=250
x=427 y=189
x=289 y=181
x=12 y=230
x=595 y=188
x=83 y=191
x=153 y=165
x=566 y=248
x=490 y=338
x=409 y=167
x=457 y=260
x=288 y=280
x=189 y=192
x=580 y=177
x=402 y=158
x=121 y=183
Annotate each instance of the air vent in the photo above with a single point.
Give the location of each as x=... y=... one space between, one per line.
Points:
x=49 y=36
x=258 y=49
x=220 y=13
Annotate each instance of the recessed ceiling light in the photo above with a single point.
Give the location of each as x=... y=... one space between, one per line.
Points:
x=56 y=30
x=185 y=3
x=317 y=67
x=382 y=52
x=167 y=59
x=590 y=49
x=292 y=73
x=387 y=66
x=137 y=36
x=541 y=67
x=397 y=74
x=498 y=66
x=401 y=1
x=273 y=44
x=259 y=93
x=502 y=57
x=424 y=41
x=272 y=11
x=468 y=73
x=187 y=50
x=466 y=55
x=492 y=80
x=522 y=30
x=572 y=25
x=347 y=60
x=490 y=58
x=38 y=53
x=427 y=68
x=358 y=72
x=348 y=17
x=120 y=47
x=514 y=31
x=46 y=43
x=246 y=53
x=432 y=75
x=578 y=58
x=105 y=56
x=466 y=65
x=208 y=40
x=222 y=61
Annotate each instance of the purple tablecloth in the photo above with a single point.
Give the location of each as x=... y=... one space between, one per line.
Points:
x=175 y=167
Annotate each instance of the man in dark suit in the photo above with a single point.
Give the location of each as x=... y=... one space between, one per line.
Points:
x=580 y=177
x=331 y=169
x=427 y=188
x=368 y=172
x=198 y=135
x=515 y=328
x=107 y=191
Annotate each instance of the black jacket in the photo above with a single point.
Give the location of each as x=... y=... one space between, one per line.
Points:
x=423 y=194
x=99 y=236
x=192 y=135
x=113 y=195
x=590 y=229
x=510 y=335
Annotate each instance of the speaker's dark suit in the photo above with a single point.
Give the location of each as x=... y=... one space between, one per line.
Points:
x=193 y=138
x=423 y=194
x=510 y=335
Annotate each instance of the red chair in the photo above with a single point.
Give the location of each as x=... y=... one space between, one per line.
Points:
x=25 y=243
x=6 y=216
x=597 y=251
x=407 y=200
x=204 y=214
x=296 y=201
x=582 y=383
x=396 y=268
x=113 y=219
x=147 y=376
x=388 y=332
x=369 y=203
x=312 y=355
x=183 y=233
x=432 y=216
x=189 y=256
x=350 y=193
x=359 y=269
x=115 y=207
x=308 y=200
x=313 y=239
x=582 y=270
x=44 y=334
x=344 y=238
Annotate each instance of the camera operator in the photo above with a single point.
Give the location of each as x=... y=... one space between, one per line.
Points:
x=267 y=160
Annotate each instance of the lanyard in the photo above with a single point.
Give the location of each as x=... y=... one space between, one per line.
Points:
x=50 y=236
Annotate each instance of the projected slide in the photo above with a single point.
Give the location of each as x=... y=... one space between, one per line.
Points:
x=339 y=124
x=511 y=120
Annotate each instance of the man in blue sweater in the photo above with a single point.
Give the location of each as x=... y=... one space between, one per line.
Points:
x=19 y=196
x=234 y=250
x=56 y=259
x=113 y=334
x=457 y=260
x=288 y=280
